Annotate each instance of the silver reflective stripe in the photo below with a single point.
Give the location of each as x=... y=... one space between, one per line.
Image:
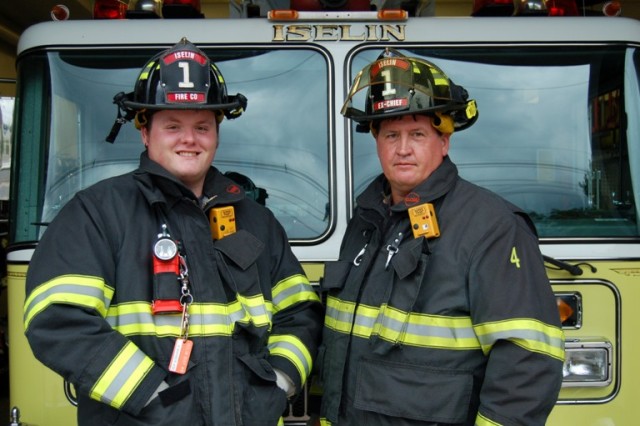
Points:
x=120 y=380
x=294 y=350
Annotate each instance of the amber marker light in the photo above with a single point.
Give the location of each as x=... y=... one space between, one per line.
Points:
x=570 y=309
x=392 y=15
x=565 y=310
x=282 y=15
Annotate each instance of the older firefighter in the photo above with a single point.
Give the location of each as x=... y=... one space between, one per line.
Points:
x=439 y=310
x=165 y=295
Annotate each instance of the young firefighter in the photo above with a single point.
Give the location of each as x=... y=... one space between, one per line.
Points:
x=142 y=296
x=439 y=311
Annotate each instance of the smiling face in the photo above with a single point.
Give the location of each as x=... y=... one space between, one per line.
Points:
x=184 y=142
x=409 y=149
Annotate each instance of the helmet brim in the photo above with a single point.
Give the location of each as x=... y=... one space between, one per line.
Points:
x=137 y=106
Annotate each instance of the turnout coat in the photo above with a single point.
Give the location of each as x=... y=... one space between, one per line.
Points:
x=460 y=329
x=88 y=309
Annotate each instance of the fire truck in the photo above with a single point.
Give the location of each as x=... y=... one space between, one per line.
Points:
x=558 y=135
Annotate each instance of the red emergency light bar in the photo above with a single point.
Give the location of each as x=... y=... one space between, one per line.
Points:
x=109 y=9
x=118 y=9
x=562 y=8
x=545 y=8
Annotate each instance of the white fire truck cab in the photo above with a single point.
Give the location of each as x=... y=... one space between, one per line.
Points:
x=558 y=134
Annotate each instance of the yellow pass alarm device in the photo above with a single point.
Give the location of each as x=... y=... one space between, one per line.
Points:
x=423 y=221
x=222 y=221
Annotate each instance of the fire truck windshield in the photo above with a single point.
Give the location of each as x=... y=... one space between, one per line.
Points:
x=551 y=135
x=281 y=142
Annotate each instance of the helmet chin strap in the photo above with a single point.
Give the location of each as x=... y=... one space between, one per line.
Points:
x=124 y=114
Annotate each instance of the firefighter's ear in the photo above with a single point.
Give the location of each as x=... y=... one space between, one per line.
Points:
x=144 y=135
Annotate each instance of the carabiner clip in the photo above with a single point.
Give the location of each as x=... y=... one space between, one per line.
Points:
x=358 y=259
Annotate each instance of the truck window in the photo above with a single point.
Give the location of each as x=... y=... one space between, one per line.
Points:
x=281 y=142
x=550 y=136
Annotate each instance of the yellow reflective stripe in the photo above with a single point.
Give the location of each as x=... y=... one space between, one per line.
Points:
x=418 y=329
x=122 y=376
x=423 y=330
x=390 y=323
x=292 y=348
x=397 y=326
x=530 y=334
x=218 y=73
x=205 y=319
x=339 y=315
x=144 y=75
x=256 y=308
x=324 y=422
x=215 y=319
x=137 y=318
x=483 y=421
x=365 y=321
x=292 y=290
x=438 y=77
x=86 y=291
x=280 y=421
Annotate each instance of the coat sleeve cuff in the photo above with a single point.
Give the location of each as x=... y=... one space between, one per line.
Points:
x=145 y=390
x=286 y=367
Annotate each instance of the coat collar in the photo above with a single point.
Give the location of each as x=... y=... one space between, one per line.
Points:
x=441 y=181
x=160 y=186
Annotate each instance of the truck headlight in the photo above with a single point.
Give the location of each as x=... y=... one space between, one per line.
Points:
x=587 y=363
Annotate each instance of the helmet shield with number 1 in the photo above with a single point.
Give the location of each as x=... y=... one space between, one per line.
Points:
x=397 y=85
x=182 y=77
